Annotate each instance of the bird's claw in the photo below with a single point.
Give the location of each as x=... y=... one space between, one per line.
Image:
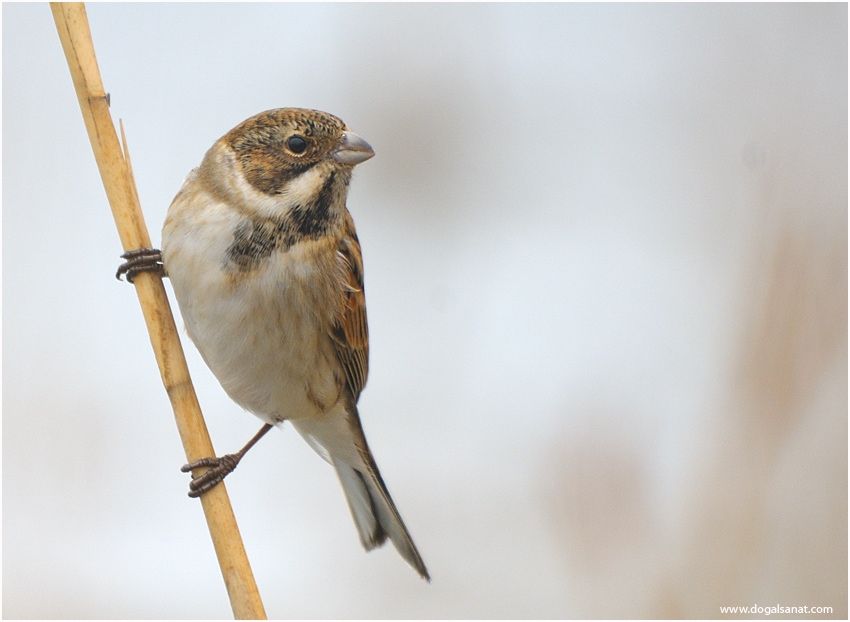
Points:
x=219 y=468
x=140 y=260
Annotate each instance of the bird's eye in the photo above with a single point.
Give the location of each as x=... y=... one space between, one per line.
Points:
x=296 y=144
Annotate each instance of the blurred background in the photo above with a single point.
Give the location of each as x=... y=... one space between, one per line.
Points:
x=606 y=268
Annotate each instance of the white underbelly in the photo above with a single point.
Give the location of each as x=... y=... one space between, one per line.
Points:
x=266 y=347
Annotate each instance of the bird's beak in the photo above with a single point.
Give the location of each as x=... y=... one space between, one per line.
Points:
x=352 y=150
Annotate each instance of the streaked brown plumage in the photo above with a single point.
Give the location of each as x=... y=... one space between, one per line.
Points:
x=267 y=270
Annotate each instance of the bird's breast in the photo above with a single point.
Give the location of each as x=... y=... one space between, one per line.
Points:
x=260 y=325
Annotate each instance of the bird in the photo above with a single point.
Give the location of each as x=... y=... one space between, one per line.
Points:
x=266 y=266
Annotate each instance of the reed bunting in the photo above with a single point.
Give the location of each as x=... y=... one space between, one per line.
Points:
x=266 y=266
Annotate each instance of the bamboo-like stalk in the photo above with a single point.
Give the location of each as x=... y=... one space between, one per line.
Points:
x=73 y=27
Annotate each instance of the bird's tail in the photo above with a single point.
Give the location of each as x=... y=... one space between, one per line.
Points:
x=338 y=437
x=375 y=513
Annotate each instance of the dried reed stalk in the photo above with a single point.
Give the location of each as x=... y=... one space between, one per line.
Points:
x=114 y=165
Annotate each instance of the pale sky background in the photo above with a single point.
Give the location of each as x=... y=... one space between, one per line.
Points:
x=606 y=270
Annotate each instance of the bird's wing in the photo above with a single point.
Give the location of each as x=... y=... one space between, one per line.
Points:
x=349 y=330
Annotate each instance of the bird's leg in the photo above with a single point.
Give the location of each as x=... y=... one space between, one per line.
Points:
x=141 y=260
x=220 y=467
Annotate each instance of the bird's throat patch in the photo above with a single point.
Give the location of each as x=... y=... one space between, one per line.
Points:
x=257 y=237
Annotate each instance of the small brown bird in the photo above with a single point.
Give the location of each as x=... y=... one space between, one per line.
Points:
x=266 y=266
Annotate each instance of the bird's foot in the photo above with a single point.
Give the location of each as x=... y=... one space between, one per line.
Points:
x=140 y=260
x=219 y=469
